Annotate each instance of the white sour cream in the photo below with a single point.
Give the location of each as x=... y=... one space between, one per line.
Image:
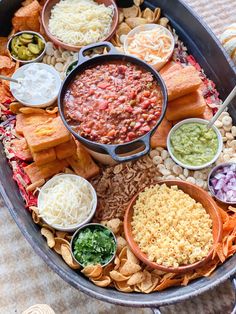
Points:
x=39 y=84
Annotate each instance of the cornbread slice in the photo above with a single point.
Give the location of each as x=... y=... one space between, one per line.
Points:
x=36 y=173
x=44 y=156
x=66 y=150
x=21 y=149
x=188 y=106
x=207 y=114
x=23 y=120
x=182 y=82
x=159 y=138
x=46 y=135
x=82 y=163
x=169 y=68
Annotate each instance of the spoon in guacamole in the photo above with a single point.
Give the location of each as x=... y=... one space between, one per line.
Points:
x=222 y=108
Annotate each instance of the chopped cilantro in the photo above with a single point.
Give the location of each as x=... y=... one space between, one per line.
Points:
x=94 y=245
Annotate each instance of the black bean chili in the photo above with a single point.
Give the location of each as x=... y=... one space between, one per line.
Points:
x=113 y=103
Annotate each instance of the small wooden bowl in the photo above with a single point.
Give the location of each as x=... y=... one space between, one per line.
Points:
x=46 y=13
x=200 y=196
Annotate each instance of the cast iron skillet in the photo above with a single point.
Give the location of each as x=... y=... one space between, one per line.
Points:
x=218 y=66
x=112 y=150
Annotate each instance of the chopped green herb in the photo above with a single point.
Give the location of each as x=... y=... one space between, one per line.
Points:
x=94 y=245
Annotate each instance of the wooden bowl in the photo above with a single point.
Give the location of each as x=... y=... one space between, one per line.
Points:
x=200 y=196
x=46 y=13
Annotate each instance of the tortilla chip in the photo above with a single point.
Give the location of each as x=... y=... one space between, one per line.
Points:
x=3 y=46
x=219 y=251
x=168 y=283
x=5 y=94
x=28 y=10
x=27 y=17
x=26 y=2
x=21 y=149
x=6 y=62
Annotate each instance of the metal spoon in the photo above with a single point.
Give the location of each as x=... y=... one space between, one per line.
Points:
x=222 y=108
x=3 y=77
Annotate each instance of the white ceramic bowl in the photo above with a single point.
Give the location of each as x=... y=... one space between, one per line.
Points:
x=41 y=104
x=37 y=59
x=73 y=227
x=91 y=226
x=157 y=65
x=220 y=144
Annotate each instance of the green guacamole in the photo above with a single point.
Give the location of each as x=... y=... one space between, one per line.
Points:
x=193 y=145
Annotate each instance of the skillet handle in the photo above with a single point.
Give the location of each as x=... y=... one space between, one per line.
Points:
x=106 y=44
x=145 y=140
x=233 y=280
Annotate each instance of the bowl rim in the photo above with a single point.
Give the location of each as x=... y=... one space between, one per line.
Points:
x=142 y=27
x=142 y=256
x=26 y=61
x=73 y=227
x=213 y=170
x=92 y=224
x=202 y=121
x=51 y=70
x=70 y=47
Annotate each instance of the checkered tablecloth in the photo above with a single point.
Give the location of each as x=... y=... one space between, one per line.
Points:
x=26 y=280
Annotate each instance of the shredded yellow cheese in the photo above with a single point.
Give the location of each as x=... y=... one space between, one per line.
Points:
x=154 y=45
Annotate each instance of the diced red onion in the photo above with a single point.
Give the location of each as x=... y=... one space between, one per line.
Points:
x=223 y=183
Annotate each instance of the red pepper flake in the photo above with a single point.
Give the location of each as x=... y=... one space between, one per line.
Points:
x=193 y=62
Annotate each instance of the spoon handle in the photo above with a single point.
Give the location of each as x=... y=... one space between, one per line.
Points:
x=222 y=108
x=3 y=77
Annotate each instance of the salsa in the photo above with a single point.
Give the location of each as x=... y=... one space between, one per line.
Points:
x=193 y=144
x=94 y=246
x=113 y=103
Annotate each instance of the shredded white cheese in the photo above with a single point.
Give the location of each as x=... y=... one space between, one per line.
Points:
x=66 y=201
x=80 y=22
